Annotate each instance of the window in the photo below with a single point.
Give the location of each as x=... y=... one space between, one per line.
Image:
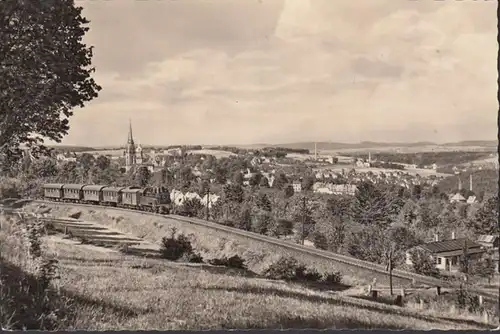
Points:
x=438 y=260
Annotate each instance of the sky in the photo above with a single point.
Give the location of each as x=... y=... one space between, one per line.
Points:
x=278 y=71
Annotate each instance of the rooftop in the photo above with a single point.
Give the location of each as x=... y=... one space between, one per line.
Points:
x=449 y=245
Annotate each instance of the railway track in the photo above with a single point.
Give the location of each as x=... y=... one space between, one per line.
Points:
x=416 y=279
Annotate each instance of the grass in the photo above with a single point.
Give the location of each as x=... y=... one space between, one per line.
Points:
x=164 y=295
x=102 y=289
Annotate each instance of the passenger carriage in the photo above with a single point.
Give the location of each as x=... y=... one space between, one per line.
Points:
x=131 y=197
x=73 y=192
x=93 y=193
x=53 y=191
x=112 y=195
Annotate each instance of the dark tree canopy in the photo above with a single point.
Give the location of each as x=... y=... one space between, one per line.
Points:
x=45 y=72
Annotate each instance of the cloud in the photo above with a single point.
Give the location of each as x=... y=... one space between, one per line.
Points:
x=253 y=71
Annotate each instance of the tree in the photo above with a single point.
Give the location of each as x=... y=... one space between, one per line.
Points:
x=281 y=227
x=280 y=181
x=308 y=182
x=238 y=178
x=486 y=218
x=102 y=162
x=142 y=176
x=303 y=217
x=45 y=71
x=264 y=182
x=288 y=191
x=85 y=161
x=245 y=220
x=423 y=263
x=372 y=206
x=191 y=207
x=484 y=268
x=256 y=179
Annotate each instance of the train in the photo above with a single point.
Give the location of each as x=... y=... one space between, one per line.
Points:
x=150 y=199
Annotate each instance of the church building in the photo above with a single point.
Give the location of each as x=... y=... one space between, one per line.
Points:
x=133 y=154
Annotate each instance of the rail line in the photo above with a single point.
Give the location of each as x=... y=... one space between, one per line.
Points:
x=347 y=260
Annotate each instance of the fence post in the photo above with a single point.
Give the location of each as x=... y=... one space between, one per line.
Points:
x=421 y=304
x=403 y=294
x=438 y=290
x=480 y=300
x=374 y=294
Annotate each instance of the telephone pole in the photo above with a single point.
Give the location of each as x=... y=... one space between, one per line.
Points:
x=390 y=269
x=304 y=212
x=208 y=203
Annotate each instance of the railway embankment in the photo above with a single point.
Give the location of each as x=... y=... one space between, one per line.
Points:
x=214 y=241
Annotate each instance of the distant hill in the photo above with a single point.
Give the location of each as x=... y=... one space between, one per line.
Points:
x=70 y=148
x=369 y=144
x=310 y=145
x=482 y=143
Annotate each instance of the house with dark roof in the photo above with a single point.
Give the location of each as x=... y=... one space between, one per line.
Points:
x=447 y=253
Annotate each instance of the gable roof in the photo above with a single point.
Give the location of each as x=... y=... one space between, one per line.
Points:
x=457 y=197
x=487 y=238
x=449 y=245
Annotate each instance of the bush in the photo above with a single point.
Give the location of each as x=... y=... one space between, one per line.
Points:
x=175 y=246
x=332 y=278
x=466 y=300
x=234 y=261
x=285 y=268
x=307 y=274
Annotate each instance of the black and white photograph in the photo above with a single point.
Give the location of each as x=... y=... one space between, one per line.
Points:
x=188 y=165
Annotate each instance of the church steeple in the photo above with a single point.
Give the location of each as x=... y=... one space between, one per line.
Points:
x=130 y=137
x=130 y=154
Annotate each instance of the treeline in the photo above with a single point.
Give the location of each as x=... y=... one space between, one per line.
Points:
x=422 y=159
x=484 y=182
x=376 y=220
x=388 y=165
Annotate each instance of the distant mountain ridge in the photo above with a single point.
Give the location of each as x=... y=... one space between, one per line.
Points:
x=320 y=145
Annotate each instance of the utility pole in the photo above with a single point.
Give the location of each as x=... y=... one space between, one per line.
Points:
x=208 y=203
x=304 y=208
x=390 y=269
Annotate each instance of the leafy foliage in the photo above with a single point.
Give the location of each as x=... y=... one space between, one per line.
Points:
x=423 y=263
x=45 y=71
x=175 y=246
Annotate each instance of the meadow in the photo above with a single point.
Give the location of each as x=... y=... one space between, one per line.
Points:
x=114 y=291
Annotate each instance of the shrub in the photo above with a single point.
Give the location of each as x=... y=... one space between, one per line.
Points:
x=285 y=268
x=307 y=274
x=28 y=299
x=466 y=300
x=234 y=261
x=174 y=247
x=332 y=278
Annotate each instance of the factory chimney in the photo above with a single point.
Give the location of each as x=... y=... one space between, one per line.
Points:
x=459 y=184
x=315 y=151
x=470 y=182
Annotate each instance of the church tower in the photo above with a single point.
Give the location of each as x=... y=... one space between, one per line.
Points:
x=130 y=157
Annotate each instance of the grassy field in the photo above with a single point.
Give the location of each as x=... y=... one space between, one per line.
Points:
x=163 y=295
x=216 y=153
x=113 y=291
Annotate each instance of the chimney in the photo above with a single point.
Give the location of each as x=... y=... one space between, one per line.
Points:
x=315 y=151
x=453 y=235
x=470 y=182
x=459 y=184
x=436 y=237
